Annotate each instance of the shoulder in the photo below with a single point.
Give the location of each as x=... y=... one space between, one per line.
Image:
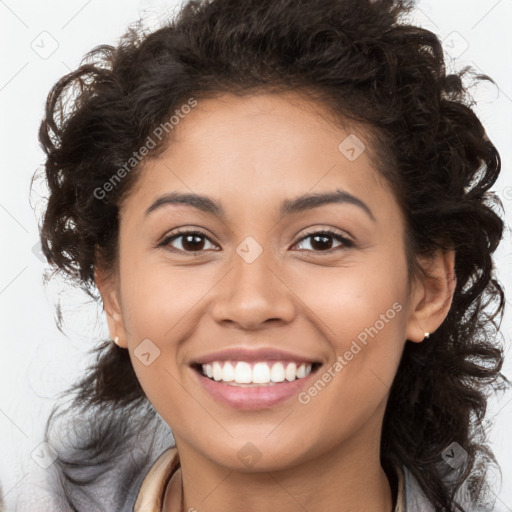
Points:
x=149 y=494
x=146 y=495
x=414 y=499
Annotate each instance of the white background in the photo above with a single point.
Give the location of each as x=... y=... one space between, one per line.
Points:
x=37 y=360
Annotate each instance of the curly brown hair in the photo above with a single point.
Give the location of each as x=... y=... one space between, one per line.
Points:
x=363 y=62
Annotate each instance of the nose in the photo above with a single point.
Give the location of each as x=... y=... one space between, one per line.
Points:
x=253 y=295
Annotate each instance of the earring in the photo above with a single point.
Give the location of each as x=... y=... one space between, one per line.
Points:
x=116 y=340
x=427 y=334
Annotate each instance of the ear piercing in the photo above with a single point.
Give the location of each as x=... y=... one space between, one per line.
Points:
x=116 y=340
x=427 y=334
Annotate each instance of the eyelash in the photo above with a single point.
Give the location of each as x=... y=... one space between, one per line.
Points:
x=179 y=233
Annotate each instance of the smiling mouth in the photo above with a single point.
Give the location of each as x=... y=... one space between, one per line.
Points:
x=256 y=373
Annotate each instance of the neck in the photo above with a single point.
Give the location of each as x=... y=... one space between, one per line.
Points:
x=342 y=480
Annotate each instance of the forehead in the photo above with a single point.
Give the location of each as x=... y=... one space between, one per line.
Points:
x=261 y=148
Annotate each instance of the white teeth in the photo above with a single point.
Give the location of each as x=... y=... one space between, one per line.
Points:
x=217 y=371
x=243 y=373
x=291 y=371
x=228 y=372
x=261 y=373
x=277 y=372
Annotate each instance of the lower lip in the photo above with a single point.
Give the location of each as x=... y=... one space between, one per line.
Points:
x=257 y=397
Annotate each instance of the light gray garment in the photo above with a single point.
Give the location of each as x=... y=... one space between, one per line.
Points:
x=414 y=498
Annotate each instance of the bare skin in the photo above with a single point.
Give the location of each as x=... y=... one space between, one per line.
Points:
x=250 y=154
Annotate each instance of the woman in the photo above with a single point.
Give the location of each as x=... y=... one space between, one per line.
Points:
x=285 y=208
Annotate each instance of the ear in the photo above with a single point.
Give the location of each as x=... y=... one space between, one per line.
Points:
x=107 y=284
x=432 y=296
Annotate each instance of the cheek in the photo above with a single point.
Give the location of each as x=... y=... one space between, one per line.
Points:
x=347 y=302
x=160 y=302
x=362 y=317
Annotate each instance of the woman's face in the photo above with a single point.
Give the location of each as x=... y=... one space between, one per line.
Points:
x=263 y=276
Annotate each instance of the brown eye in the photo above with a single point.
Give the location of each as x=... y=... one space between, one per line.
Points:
x=322 y=241
x=188 y=241
x=195 y=241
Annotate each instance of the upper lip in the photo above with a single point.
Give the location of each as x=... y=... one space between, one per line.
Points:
x=246 y=354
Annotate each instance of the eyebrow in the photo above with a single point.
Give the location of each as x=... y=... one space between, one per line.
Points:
x=288 y=207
